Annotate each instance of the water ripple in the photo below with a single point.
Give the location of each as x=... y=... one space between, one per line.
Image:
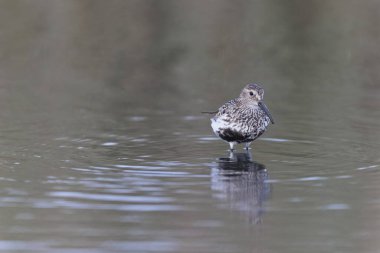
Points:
x=123 y=166
x=335 y=206
x=111 y=197
x=307 y=179
x=109 y=144
x=80 y=204
x=368 y=167
x=143 y=246
x=285 y=140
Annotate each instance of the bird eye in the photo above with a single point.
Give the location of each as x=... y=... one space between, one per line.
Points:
x=251 y=93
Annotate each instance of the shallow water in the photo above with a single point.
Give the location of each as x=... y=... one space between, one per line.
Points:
x=103 y=147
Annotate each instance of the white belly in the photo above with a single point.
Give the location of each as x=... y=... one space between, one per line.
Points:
x=219 y=123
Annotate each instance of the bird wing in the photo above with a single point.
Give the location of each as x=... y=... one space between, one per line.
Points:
x=226 y=107
x=223 y=109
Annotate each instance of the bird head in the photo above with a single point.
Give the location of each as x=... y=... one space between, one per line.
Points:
x=252 y=93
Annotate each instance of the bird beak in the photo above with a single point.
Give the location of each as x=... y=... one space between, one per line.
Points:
x=265 y=109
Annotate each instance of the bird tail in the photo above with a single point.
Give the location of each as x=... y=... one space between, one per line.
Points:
x=210 y=112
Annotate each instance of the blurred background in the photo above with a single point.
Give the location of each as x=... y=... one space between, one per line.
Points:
x=103 y=147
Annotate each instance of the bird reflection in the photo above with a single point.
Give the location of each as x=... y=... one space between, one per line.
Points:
x=241 y=183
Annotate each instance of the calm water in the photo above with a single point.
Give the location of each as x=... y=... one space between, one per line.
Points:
x=103 y=147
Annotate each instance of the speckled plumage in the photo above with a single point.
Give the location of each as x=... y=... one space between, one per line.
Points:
x=243 y=119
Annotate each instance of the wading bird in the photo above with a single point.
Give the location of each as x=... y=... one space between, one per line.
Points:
x=243 y=119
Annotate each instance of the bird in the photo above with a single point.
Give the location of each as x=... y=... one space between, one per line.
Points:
x=243 y=119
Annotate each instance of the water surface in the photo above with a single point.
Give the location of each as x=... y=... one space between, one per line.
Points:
x=103 y=147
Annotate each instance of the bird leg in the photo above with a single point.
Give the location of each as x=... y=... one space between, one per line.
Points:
x=247 y=145
x=232 y=146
